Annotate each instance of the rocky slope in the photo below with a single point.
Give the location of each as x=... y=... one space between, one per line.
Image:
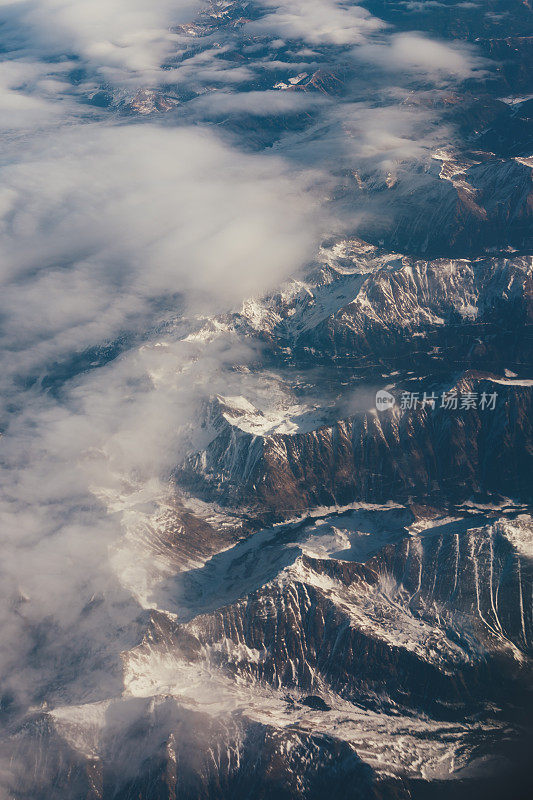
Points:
x=373 y=456
x=362 y=304
x=367 y=676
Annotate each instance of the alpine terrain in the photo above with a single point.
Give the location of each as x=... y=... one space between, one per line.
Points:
x=267 y=432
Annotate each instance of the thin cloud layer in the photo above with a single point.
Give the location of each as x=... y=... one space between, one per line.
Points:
x=101 y=223
x=107 y=231
x=121 y=40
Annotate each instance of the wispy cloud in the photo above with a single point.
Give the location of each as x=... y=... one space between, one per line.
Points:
x=100 y=222
x=121 y=40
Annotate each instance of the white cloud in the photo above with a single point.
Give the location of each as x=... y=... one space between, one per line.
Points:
x=372 y=138
x=102 y=226
x=122 y=40
x=316 y=21
x=209 y=67
x=22 y=110
x=98 y=225
x=100 y=222
x=262 y=104
x=427 y=58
